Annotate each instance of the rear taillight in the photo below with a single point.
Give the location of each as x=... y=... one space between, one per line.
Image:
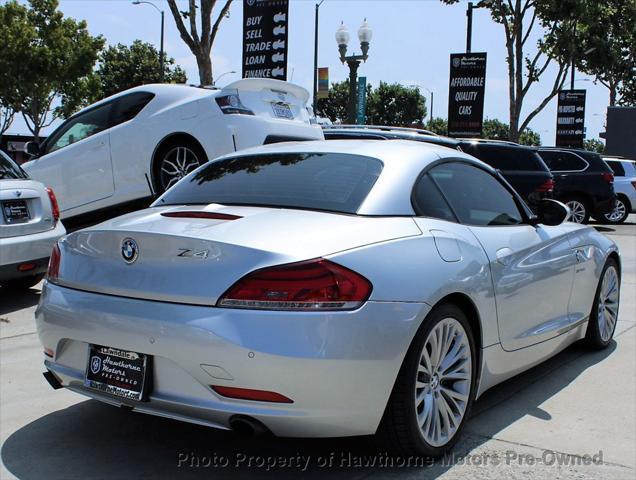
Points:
x=53 y=272
x=232 y=104
x=55 y=208
x=546 y=186
x=608 y=177
x=312 y=285
x=634 y=184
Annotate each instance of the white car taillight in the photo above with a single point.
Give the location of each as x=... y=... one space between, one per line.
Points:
x=317 y=284
x=55 y=208
x=232 y=104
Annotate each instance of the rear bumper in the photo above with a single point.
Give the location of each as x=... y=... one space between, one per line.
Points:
x=338 y=368
x=603 y=205
x=12 y=272
x=34 y=248
x=253 y=131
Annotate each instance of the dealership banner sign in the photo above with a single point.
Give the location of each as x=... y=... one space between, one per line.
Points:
x=265 y=34
x=323 y=82
x=570 y=129
x=466 y=94
x=361 y=107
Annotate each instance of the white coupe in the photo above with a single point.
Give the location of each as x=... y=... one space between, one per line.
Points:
x=141 y=141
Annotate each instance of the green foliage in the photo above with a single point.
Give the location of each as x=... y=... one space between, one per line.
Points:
x=46 y=61
x=594 y=145
x=389 y=104
x=497 y=130
x=396 y=105
x=438 y=126
x=122 y=67
x=603 y=42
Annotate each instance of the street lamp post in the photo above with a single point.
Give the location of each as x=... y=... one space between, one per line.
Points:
x=418 y=86
x=353 y=61
x=221 y=76
x=161 y=72
x=315 y=99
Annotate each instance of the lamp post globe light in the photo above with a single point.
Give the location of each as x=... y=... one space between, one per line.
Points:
x=353 y=61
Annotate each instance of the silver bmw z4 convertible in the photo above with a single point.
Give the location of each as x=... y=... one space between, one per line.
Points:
x=324 y=289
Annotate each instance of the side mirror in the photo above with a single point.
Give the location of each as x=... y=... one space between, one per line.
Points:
x=552 y=212
x=32 y=149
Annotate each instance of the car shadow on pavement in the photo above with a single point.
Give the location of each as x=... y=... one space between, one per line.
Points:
x=11 y=301
x=93 y=440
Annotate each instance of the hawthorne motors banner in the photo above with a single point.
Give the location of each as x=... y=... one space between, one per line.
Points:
x=570 y=129
x=265 y=38
x=466 y=94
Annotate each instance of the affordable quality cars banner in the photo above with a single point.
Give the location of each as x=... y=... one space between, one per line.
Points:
x=466 y=94
x=265 y=38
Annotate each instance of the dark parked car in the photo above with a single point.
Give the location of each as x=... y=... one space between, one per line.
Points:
x=583 y=181
x=521 y=166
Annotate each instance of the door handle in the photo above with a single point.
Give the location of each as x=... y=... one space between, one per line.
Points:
x=503 y=255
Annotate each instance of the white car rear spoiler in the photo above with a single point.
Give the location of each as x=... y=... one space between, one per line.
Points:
x=258 y=84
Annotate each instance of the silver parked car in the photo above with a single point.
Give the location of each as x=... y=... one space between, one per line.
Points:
x=625 y=188
x=325 y=289
x=29 y=227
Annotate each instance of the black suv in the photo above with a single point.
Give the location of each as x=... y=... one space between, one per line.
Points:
x=521 y=166
x=582 y=180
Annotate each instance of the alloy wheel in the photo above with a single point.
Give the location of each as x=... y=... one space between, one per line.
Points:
x=577 y=211
x=608 y=304
x=176 y=164
x=618 y=213
x=443 y=382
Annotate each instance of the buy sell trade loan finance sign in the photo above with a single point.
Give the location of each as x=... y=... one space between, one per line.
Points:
x=265 y=38
x=466 y=94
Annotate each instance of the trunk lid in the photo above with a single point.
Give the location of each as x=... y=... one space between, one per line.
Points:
x=195 y=260
x=272 y=99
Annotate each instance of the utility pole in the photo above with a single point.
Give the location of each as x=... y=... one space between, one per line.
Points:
x=469 y=27
x=315 y=99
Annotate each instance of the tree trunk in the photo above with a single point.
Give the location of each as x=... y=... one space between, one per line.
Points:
x=613 y=87
x=204 y=62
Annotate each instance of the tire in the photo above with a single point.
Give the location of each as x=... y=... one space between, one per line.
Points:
x=619 y=214
x=579 y=209
x=23 y=283
x=604 y=314
x=400 y=429
x=174 y=160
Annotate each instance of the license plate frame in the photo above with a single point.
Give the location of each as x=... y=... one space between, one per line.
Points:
x=282 y=110
x=121 y=373
x=15 y=211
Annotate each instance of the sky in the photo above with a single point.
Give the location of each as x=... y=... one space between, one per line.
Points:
x=412 y=40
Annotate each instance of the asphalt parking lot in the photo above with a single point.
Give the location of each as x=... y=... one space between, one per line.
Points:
x=573 y=416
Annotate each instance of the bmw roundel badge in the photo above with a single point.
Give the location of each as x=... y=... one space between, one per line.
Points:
x=129 y=250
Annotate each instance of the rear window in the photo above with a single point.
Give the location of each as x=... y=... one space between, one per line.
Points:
x=617 y=167
x=315 y=181
x=506 y=158
x=563 y=161
x=9 y=170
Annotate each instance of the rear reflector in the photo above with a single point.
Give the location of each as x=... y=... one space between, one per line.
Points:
x=249 y=394
x=206 y=215
x=317 y=284
x=49 y=353
x=54 y=264
x=608 y=177
x=26 y=267
x=546 y=186
x=55 y=208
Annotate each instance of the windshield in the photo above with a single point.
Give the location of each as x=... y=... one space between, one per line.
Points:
x=314 y=181
x=9 y=169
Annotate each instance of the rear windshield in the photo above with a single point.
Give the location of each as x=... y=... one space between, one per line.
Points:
x=9 y=170
x=315 y=181
x=506 y=158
